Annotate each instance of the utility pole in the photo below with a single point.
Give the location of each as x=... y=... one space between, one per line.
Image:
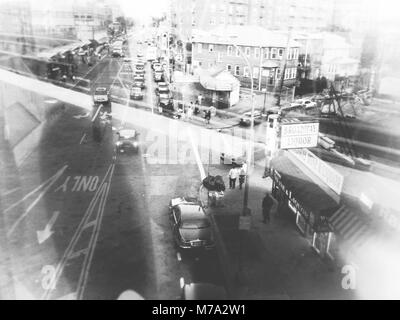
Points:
x=278 y=101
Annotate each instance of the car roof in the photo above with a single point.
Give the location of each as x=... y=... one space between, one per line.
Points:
x=127 y=133
x=162 y=84
x=101 y=89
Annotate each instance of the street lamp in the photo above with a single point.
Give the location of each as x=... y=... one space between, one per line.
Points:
x=250 y=147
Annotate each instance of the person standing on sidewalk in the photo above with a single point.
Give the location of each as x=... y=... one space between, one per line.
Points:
x=242 y=176
x=233 y=175
x=266 y=207
x=200 y=98
x=189 y=111
x=207 y=116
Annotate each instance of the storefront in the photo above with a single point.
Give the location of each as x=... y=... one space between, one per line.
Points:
x=306 y=201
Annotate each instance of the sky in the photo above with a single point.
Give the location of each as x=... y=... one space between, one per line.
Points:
x=143 y=9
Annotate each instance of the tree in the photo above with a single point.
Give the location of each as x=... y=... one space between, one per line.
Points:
x=122 y=22
x=369 y=51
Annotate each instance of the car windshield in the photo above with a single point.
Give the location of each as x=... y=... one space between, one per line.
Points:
x=195 y=224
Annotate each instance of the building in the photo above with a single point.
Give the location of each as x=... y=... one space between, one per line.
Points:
x=303 y=16
x=326 y=55
x=248 y=52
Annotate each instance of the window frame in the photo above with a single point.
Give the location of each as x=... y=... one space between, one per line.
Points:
x=237 y=70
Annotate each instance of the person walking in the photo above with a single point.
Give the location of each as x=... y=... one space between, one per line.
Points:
x=267 y=204
x=207 y=116
x=196 y=108
x=242 y=176
x=233 y=175
x=200 y=98
x=189 y=111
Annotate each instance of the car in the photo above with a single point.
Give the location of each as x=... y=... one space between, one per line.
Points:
x=203 y=291
x=128 y=141
x=191 y=226
x=165 y=101
x=157 y=67
x=307 y=103
x=136 y=93
x=245 y=120
x=117 y=53
x=139 y=73
x=162 y=88
x=158 y=76
x=138 y=82
x=101 y=95
x=139 y=66
x=140 y=55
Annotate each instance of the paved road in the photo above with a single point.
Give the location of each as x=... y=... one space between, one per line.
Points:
x=108 y=228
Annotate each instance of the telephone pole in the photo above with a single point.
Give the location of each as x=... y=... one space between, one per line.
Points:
x=285 y=56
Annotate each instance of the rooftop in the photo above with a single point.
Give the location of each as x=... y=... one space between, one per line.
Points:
x=253 y=36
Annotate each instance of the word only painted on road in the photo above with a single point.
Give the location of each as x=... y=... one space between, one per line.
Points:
x=79 y=183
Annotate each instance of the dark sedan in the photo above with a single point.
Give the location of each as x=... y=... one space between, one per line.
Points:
x=192 y=228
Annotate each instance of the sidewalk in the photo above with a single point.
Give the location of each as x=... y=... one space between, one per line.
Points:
x=270 y=261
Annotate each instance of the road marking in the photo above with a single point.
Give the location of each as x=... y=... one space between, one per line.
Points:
x=99 y=199
x=8 y=192
x=78 y=253
x=178 y=256
x=83 y=138
x=49 y=183
x=43 y=235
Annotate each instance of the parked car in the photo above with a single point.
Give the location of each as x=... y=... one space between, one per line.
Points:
x=139 y=66
x=162 y=88
x=158 y=76
x=128 y=141
x=203 y=291
x=245 y=120
x=306 y=103
x=165 y=101
x=138 y=82
x=136 y=93
x=191 y=226
x=101 y=95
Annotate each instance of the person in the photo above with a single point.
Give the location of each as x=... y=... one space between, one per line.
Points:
x=266 y=207
x=207 y=116
x=242 y=176
x=189 y=111
x=233 y=174
x=196 y=108
x=200 y=98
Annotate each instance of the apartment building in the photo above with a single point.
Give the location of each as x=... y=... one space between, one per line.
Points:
x=248 y=52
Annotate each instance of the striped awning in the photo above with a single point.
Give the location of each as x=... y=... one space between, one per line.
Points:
x=351 y=227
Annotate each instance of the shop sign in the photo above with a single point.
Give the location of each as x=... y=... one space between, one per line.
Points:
x=299 y=135
x=320 y=168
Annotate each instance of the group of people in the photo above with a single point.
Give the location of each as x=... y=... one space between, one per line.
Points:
x=237 y=173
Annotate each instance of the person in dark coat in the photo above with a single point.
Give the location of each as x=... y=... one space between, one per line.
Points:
x=267 y=204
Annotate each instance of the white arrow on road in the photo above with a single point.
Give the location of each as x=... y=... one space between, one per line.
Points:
x=80 y=116
x=46 y=233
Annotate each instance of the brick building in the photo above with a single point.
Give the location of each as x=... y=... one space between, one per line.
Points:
x=248 y=51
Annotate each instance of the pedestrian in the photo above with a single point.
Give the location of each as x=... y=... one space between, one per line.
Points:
x=233 y=174
x=200 y=98
x=207 y=116
x=189 y=111
x=266 y=207
x=196 y=108
x=242 y=176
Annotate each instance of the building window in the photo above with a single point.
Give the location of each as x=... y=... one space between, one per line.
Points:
x=256 y=53
x=256 y=71
x=222 y=21
x=296 y=54
x=219 y=57
x=280 y=53
x=237 y=52
x=237 y=70
x=229 y=50
x=286 y=74
x=199 y=48
x=266 y=53
x=210 y=48
x=228 y=67
x=246 y=72
x=278 y=73
x=273 y=53
x=247 y=51
x=212 y=21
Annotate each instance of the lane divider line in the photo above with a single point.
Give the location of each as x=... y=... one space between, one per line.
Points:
x=45 y=186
